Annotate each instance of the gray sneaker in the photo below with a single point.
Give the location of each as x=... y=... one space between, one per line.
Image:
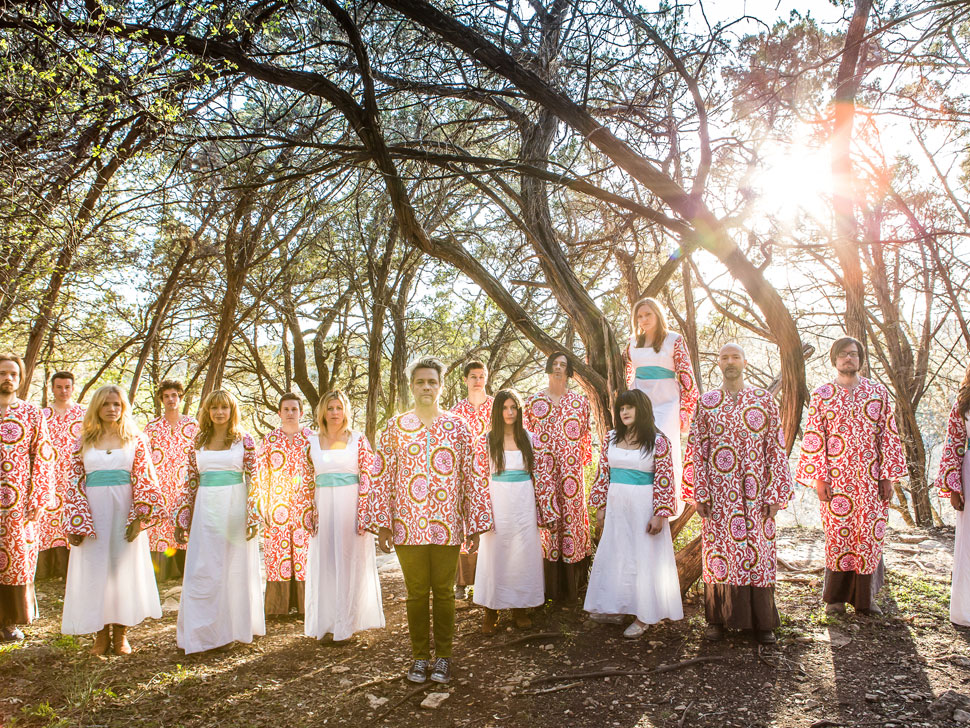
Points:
x=418 y=672
x=441 y=672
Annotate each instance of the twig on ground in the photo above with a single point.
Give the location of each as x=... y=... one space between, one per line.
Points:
x=612 y=673
x=400 y=701
x=683 y=717
x=553 y=689
x=370 y=683
x=527 y=638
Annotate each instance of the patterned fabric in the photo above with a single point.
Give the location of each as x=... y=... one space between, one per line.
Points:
x=427 y=487
x=663 y=476
x=562 y=431
x=684 y=373
x=170 y=454
x=26 y=488
x=479 y=421
x=148 y=502
x=184 y=504
x=285 y=473
x=64 y=431
x=851 y=442
x=307 y=505
x=950 y=479
x=737 y=453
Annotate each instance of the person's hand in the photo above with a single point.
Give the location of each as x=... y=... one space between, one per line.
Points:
x=181 y=535
x=385 y=539
x=824 y=491
x=133 y=529
x=656 y=525
x=75 y=539
x=885 y=490
x=251 y=532
x=770 y=510
x=471 y=543
x=956 y=500
x=600 y=520
x=704 y=510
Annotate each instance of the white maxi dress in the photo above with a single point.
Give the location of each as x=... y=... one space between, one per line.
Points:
x=509 y=574
x=343 y=590
x=960 y=581
x=633 y=572
x=222 y=593
x=109 y=580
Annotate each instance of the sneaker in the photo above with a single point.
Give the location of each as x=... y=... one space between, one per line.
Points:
x=714 y=633
x=11 y=634
x=460 y=592
x=635 y=630
x=608 y=618
x=835 y=608
x=441 y=672
x=418 y=672
x=766 y=637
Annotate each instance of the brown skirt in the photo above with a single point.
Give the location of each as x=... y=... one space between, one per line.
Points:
x=282 y=596
x=859 y=590
x=565 y=581
x=18 y=604
x=52 y=563
x=741 y=607
x=465 y=576
x=168 y=567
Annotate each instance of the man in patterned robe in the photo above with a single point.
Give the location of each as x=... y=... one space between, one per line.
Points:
x=172 y=437
x=427 y=499
x=558 y=419
x=476 y=409
x=741 y=480
x=26 y=488
x=284 y=474
x=64 y=418
x=851 y=455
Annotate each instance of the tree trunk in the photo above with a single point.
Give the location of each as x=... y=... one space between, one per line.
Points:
x=224 y=330
x=690 y=564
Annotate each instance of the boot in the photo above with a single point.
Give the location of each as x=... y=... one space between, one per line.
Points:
x=120 y=644
x=522 y=618
x=490 y=623
x=102 y=641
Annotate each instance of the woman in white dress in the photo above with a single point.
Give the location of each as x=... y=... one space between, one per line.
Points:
x=113 y=497
x=343 y=590
x=658 y=364
x=222 y=594
x=952 y=481
x=634 y=571
x=510 y=570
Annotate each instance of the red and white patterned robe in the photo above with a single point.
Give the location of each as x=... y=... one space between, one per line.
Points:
x=851 y=442
x=64 y=432
x=950 y=479
x=479 y=421
x=663 y=477
x=307 y=505
x=427 y=487
x=170 y=455
x=737 y=453
x=184 y=507
x=147 y=499
x=26 y=488
x=284 y=474
x=563 y=431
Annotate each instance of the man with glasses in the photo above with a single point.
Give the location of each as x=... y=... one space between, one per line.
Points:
x=851 y=454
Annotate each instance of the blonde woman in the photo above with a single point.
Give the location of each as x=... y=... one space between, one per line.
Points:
x=222 y=595
x=343 y=591
x=112 y=498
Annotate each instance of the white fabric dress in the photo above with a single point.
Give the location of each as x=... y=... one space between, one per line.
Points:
x=663 y=390
x=509 y=573
x=633 y=572
x=109 y=580
x=222 y=593
x=960 y=582
x=343 y=590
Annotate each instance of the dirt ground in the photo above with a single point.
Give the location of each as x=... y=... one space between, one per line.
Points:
x=851 y=671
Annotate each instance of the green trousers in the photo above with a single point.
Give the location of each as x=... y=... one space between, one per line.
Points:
x=430 y=571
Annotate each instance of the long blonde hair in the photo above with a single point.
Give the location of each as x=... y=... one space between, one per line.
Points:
x=94 y=429
x=207 y=428
x=335 y=394
x=661 y=332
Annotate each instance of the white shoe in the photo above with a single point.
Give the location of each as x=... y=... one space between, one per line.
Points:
x=608 y=618
x=635 y=630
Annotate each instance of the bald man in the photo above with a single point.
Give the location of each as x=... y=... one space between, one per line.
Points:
x=741 y=479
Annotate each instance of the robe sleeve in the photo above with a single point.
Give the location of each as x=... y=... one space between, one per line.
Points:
x=303 y=508
x=148 y=502
x=382 y=484
x=780 y=485
x=698 y=452
x=42 y=469
x=476 y=499
x=601 y=484
x=263 y=478
x=586 y=439
x=663 y=477
x=365 y=468
x=628 y=367
x=190 y=486
x=545 y=489
x=950 y=479
x=689 y=393
x=892 y=461
x=813 y=462
x=78 y=520
x=251 y=476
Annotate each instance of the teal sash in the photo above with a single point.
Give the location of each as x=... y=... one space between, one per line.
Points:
x=629 y=476
x=214 y=478
x=102 y=478
x=511 y=476
x=654 y=373
x=335 y=480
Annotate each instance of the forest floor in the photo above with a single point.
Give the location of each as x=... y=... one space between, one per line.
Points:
x=849 y=671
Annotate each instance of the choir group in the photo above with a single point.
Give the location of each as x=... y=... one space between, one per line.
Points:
x=489 y=495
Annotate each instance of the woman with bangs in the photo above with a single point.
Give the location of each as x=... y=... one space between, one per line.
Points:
x=634 y=571
x=343 y=590
x=222 y=596
x=510 y=569
x=112 y=498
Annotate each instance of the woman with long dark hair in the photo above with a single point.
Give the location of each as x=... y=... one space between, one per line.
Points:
x=510 y=570
x=952 y=482
x=634 y=571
